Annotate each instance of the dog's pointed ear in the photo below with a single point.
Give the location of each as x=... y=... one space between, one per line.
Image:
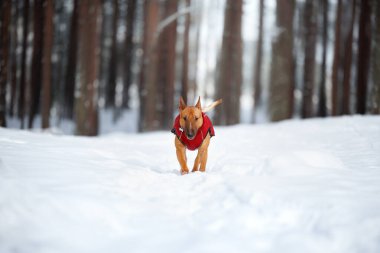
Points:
x=198 y=105
x=182 y=104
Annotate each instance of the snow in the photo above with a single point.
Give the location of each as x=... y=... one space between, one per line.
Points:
x=295 y=186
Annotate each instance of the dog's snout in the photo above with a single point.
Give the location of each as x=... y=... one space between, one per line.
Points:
x=190 y=133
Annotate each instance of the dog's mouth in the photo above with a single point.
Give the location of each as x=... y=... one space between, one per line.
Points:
x=190 y=136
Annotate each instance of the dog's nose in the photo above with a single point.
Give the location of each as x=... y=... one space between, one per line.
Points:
x=190 y=135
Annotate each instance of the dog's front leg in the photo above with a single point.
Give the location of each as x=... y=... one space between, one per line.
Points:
x=204 y=161
x=197 y=162
x=201 y=160
x=181 y=156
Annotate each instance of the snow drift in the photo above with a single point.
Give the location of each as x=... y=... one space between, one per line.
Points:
x=296 y=186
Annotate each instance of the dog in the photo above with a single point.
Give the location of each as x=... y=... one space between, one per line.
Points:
x=193 y=130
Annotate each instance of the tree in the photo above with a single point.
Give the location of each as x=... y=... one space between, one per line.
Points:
x=230 y=71
x=322 y=109
x=310 y=26
x=336 y=61
x=345 y=103
x=185 y=56
x=128 y=59
x=5 y=10
x=194 y=44
x=165 y=76
x=112 y=67
x=71 y=63
x=375 y=98
x=282 y=69
x=147 y=87
x=36 y=73
x=258 y=68
x=23 y=81
x=46 y=64
x=86 y=104
x=14 y=64
x=363 y=56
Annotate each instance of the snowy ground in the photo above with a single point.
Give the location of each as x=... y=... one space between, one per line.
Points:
x=297 y=186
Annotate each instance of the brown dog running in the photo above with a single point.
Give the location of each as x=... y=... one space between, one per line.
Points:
x=193 y=130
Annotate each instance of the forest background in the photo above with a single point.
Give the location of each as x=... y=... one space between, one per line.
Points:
x=88 y=67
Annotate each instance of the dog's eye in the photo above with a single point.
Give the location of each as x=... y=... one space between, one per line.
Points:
x=196 y=118
x=185 y=118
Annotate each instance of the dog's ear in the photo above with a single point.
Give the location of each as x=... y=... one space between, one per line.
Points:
x=182 y=104
x=198 y=105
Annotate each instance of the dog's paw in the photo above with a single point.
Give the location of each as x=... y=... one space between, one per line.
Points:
x=184 y=172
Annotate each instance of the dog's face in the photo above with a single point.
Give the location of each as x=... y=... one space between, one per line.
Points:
x=190 y=118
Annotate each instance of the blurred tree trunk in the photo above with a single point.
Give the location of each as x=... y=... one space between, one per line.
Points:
x=14 y=64
x=336 y=62
x=105 y=38
x=185 y=55
x=282 y=70
x=230 y=72
x=129 y=32
x=194 y=41
x=36 y=74
x=5 y=18
x=112 y=67
x=310 y=28
x=23 y=81
x=46 y=61
x=166 y=67
x=322 y=110
x=59 y=56
x=71 y=63
x=375 y=98
x=347 y=63
x=363 y=56
x=258 y=69
x=147 y=87
x=86 y=104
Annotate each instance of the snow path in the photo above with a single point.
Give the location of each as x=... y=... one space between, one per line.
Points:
x=296 y=186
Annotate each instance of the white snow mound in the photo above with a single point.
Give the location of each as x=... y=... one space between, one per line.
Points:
x=296 y=186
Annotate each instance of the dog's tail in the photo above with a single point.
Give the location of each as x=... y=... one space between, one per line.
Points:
x=210 y=107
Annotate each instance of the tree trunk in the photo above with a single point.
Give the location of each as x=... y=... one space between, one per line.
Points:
x=310 y=28
x=322 y=110
x=363 y=56
x=336 y=62
x=5 y=10
x=147 y=87
x=230 y=72
x=194 y=54
x=69 y=89
x=166 y=67
x=14 y=44
x=347 y=64
x=129 y=32
x=36 y=75
x=375 y=98
x=112 y=67
x=23 y=81
x=61 y=40
x=282 y=70
x=185 y=56
x=258 y=68
x=46 y=61
x=86 y=104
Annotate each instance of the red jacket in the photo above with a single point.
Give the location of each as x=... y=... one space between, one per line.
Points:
x=199 y=137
